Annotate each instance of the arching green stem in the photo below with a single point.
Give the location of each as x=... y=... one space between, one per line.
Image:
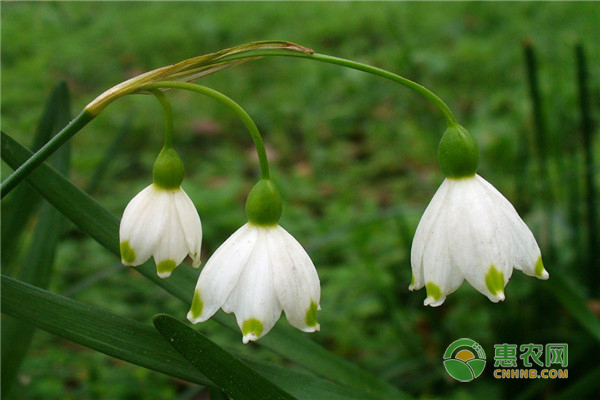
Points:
x=428 y=94
x=42 y=154
x=168 y=116
x=235 y=107
x=201 y=66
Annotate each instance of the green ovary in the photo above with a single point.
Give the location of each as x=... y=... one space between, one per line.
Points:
x=458 y=153
x=494 y=280
x=252 y=325
x=311 y=315
x=433 y=290
x=263 y=206
x=197 y=305
x=166 y=266
x=168 y=171
x=127 y=253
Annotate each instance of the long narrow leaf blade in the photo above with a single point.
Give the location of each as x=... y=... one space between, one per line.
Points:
x=102 y=225
x=575 y=304
x=36 y=270
x=306 y=386
x=139 y=343
x=229 y=373
x=63 y=195
x=18 y=208
x=95 y=328
x=108 y=158
x=38 y=262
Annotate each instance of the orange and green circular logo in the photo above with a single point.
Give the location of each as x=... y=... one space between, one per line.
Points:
x=464 y=360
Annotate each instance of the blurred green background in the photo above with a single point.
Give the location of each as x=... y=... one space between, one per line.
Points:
x=353 y=155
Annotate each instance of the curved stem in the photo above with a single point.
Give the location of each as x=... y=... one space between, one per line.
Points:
x=199 y=67
x=168 y=116
x=422 y=90
x=50 y=147
x=235 y=107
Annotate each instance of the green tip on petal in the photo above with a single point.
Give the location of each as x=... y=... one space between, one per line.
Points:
x=412 y=281
x=458 y=154
x=164 y=268
x=540 y=271
x=433 y=291
x=494 y=280
x=311 y=315
x=252 y=326
x=197 y=306
x=168 y=171
x=263 y=206
x=127 y=253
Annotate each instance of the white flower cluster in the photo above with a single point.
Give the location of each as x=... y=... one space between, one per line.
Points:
x=258 y=272
x=468 y=232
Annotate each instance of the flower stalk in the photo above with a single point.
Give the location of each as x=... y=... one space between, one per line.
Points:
x=161 y=221
x=232 y=105
x=168 y=112
x=195 y=68
x=422 y=90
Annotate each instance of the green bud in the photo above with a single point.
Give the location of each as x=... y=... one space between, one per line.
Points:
x=458 y=153
x=263 y=206
x=168 y=172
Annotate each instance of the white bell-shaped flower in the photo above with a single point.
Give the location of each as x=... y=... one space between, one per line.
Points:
x=255 y=274
x=161 y=221
x=259 y=271
x=470 y=231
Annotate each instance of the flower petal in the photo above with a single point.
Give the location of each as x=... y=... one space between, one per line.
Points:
x=142 y=223
x=172 y=247
x=253 y=300
x=422 y=237
x=192 y=227
x=295 y=279
x=222 y=273
x=440 y=273
x=477 y=243
x=524 y=252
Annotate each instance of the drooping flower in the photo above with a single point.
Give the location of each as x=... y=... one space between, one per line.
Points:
x=469 y=231
x=259 y=271
x=161 y=221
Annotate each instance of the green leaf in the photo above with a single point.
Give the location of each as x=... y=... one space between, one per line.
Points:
x=95 y=328
x=108 y=158
x=306 y=386
x=80 y=208
x=42 y=154
x=585 y=387
x=139 y=343
x=38 y=262
x=574 y=302
x=18 y=208
x=229 y=373
x=98 y=222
